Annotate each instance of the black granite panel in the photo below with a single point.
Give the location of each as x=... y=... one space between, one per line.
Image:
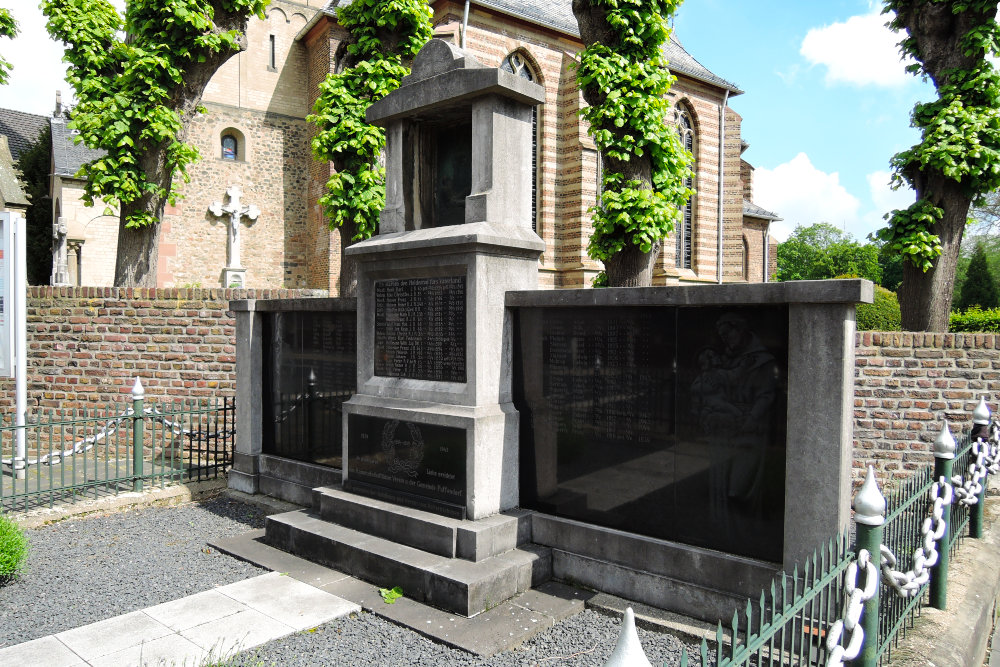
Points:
x=419 y=459
x=668 y=422
x=420 y=328
x=309 y=370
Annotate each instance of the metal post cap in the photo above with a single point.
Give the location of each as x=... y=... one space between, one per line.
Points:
x=981 y=415
x=944 y=446
x=869 y=504
x=137 y=390
x=628 y=652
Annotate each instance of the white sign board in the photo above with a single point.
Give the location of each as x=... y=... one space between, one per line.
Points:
x=7 y=251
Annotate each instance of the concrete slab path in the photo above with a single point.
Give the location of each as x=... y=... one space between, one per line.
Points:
x=211 y=624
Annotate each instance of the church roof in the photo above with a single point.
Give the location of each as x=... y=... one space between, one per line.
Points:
x=751 y=210
x=67 y=156
x=21 y=129
x=11 y=192
x=558 y=15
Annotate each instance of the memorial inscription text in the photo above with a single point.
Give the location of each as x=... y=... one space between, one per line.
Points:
x=420 y=328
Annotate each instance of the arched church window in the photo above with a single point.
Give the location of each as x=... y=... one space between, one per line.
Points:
x=685 y=231
x=518 y=65
x=230 y=147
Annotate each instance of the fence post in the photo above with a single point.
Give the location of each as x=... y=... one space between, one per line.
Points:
x=869 y=515
x=981 y=431
x=944 y=459
x=138 y=394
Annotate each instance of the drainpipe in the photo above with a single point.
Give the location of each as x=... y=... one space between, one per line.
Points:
x=465 y=22
x=767 y=248
x=722 y=184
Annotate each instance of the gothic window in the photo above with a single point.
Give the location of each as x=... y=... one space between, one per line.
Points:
x=516 y=64
x=230 y=147
x=685 y=230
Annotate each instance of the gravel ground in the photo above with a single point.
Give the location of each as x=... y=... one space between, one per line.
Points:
x=365 y=639
x=85 y=570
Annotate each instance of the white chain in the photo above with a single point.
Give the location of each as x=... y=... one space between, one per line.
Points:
x=908 y=584
x=854 y=602
x=967 y=491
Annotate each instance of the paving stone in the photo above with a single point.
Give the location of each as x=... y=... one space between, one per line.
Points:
x=169 y=651
x=297 y=605
x=43 y=652
x=238 y=632
x=112 y=635
x=194 y=610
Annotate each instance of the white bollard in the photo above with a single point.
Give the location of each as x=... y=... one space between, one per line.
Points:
x=628 y=652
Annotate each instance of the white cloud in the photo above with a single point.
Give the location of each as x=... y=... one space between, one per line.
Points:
x=37 y=59
x=803 y=195
x=38 y=71
x=860 y=51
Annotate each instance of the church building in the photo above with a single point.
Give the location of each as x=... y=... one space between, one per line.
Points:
x=254 y=136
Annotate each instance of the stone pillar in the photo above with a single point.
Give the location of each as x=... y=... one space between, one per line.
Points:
x=820 y=424
x=244 y=475
x=501 y=146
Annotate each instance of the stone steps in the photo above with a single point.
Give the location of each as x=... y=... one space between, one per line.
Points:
x=436 y=534
x=453 y=584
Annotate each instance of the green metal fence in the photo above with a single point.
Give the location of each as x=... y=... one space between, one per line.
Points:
x=833 y=609
x=66 y=455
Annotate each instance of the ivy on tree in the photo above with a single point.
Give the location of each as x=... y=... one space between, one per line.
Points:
x=139 y=80
x=383 y=38
x=8 y=28
x=624 y=80
x=958 y=158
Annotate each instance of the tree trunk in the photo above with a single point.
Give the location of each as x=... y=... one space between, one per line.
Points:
x=938 y=31
x=631 y=267
x=138 y=255
x=138 y=247
x=925 y=298
x=348 y=263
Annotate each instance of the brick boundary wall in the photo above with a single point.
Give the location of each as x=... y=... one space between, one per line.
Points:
x=86 y=345
x=906 y=383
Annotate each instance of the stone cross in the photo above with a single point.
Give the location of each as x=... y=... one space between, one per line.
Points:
x=234 y=210
x=60 y=265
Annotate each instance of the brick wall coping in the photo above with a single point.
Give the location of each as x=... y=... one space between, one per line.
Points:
x=286 y=305
x=182 y=293
x=730 y=294
x=950 y=341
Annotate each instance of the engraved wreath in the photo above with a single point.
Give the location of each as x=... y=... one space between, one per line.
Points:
x=404 y=456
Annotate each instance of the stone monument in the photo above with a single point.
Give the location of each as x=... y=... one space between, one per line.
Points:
x=234 y=275
x=432 y=424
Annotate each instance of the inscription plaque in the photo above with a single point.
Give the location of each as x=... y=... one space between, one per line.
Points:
x=309 y=370
x=420 y=328
x=668 y=422
x=422 y=460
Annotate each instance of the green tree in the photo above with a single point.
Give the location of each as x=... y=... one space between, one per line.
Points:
x=139 y=80
x=958 y=158
x=980 y=286
x=383 y=37
x=624 y=80
x=8 y=28
x=822 y=251
x=34 y=167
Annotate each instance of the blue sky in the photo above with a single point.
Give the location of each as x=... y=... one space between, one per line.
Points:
x=826 y=105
